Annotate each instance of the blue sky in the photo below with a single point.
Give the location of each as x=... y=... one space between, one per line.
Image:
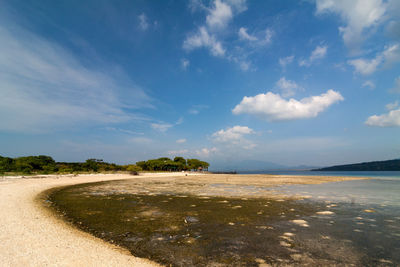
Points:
x=290 y=82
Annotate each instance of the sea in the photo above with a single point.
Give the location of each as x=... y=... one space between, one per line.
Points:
x=381 y=187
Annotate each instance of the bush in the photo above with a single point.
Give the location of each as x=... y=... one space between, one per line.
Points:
x=133 y=169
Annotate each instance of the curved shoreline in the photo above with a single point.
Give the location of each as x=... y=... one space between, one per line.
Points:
x=33 y=236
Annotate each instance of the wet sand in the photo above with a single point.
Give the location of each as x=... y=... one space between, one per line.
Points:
x=32 y=236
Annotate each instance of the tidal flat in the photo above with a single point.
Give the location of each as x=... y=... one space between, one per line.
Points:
x=228 y=222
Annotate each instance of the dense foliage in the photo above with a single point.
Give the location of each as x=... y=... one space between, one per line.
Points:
x=177 y=164
x=46 y=165
x=387 y=165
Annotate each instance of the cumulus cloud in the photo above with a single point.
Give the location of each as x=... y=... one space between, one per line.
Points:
x=233 y=134
x=390 y=55
x=286 y=61
x=143 y=22
x=203 y=39
x=369 y=84
x=45 y=87
x=287 y=87
x=391 y=119
x=359 y=16
x=273 y=107
x=181 y=141
x=318 y=53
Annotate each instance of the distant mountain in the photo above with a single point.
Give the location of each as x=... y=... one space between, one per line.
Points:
x=387 y=165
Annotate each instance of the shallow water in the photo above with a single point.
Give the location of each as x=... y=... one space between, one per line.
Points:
x=339 y=224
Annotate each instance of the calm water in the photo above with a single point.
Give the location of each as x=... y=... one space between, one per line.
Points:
x=376 y=174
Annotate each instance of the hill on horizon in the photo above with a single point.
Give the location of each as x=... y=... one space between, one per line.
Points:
x=386 y=165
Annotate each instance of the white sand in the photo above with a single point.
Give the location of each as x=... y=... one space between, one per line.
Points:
x=31 y=236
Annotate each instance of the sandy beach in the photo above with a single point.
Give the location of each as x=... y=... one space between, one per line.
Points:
x=32 y=236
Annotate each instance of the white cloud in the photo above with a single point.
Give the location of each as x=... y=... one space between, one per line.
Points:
x=390 y=55
x=287 y=87
x=358 y=15
x=273 y=107
x=365 y=66
x=219 y=16
x=143 y=22
x=243 y=35
x=233 y=134
x=178 y=152
x=396 y=88
x=44 y=87
x=206 y=152
x=392 y=106
x=261 y=39
x=162 y=127
x=390 y=119
x=181 y=141
x=185 y=63
x=369 y=84
x=318 y=53
x=203 y=39
x=286 y=61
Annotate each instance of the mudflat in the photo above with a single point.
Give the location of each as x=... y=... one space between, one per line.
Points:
x=32 y=236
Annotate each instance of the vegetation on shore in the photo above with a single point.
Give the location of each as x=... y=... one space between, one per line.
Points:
x=387 y=165
x=47 y=165
x=177 y=164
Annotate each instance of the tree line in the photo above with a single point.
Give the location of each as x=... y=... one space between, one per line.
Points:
x=47 y=165
x=177 y=164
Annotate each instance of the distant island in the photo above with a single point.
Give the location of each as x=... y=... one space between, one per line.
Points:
x=386 y=165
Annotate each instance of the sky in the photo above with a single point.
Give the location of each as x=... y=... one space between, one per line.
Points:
x=291 y=82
